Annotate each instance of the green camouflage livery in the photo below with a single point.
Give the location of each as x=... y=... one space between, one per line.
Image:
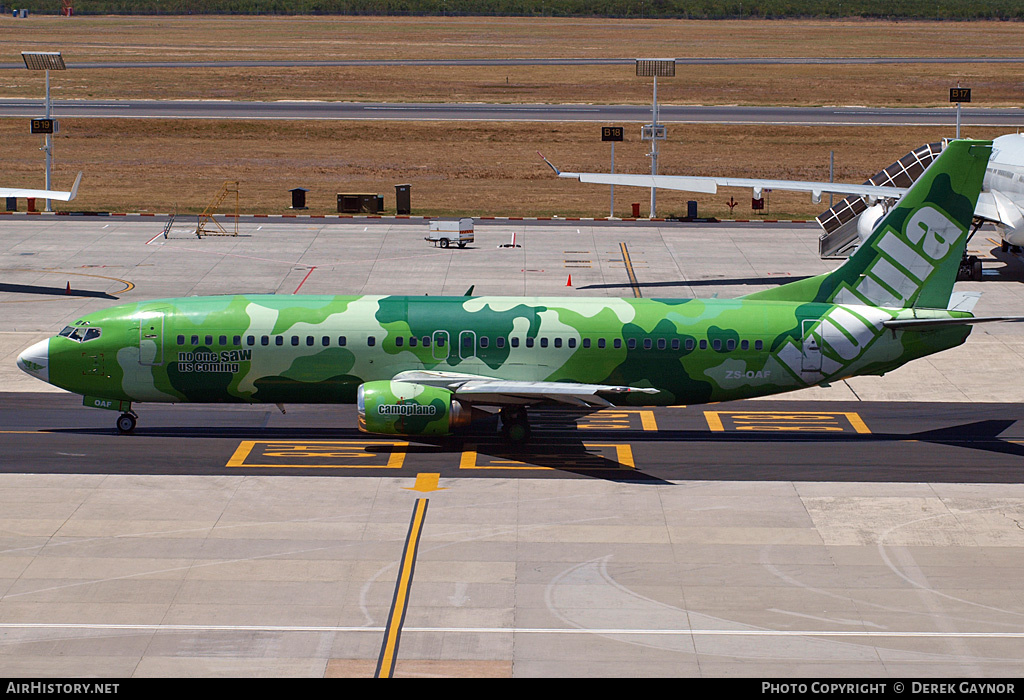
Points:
x=421 y=359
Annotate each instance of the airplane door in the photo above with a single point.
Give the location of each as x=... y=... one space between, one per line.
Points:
x=151 y=338
x=811 y=361
x=439 y=341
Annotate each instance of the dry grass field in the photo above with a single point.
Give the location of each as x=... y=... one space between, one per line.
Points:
x=480 y=168
x=475 y=168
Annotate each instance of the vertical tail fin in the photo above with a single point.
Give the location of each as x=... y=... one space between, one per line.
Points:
x=912 y=256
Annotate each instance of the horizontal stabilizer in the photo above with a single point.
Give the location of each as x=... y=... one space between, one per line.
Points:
x=43 y=194
x=923 y=324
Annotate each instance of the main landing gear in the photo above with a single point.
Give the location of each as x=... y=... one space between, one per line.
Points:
x=970 y=269
x=515 y=425
x=126 y=422
x=970 y=266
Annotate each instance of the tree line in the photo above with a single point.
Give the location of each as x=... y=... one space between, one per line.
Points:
x=633 y=9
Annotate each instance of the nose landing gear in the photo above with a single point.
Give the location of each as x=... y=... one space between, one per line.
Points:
x=126 y=422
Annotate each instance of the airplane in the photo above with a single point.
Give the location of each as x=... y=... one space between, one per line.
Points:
x=429 y=366
x=43 y=194
x=1001 y=201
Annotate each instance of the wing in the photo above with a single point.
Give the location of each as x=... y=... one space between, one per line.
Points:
x=43 y=194
x=710 y=185
x=505 y=392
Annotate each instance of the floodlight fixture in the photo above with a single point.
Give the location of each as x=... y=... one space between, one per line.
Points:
x=43 y=60
x=655 y=67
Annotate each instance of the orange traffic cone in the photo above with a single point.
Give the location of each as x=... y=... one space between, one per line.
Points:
x=568 y=282
x=68 y=290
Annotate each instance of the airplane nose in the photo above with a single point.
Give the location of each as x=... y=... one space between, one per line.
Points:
x=36 y=360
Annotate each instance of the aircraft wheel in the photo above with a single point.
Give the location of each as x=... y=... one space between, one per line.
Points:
x=126 y=423
x=976 y=270
x=515 y=426
x=1004 y=246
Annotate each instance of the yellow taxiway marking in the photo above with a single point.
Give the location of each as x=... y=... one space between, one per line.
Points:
x=623 y=456
x=618 y=419
x=318 y=454
x=393 y=631
x=802 y=421
x=426 y=482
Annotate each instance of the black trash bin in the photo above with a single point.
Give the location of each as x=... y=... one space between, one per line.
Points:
x=299 y=197
x=403 y=199
x=691 y=210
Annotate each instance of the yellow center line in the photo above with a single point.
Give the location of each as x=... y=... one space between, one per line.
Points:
x=393 y=631
x=629 y=271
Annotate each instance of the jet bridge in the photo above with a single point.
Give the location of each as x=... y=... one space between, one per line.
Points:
x=839 y=222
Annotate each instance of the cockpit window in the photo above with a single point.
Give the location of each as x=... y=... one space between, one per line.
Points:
x=81 y=335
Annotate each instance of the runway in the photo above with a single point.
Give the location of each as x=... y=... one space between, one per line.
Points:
x=867 y=529
x=411 y=111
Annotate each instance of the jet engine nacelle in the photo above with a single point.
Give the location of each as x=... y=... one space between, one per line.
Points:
x=867 y=221
x=403 y=408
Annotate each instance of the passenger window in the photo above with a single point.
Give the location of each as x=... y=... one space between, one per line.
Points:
x=744 y=345
x=617 y=343
x=426 y=341
x=237 y=340
x=558 y=342
x=514 y=341
x=675 y=343
x=398 y=341
x=209 y=340
x=484 y=341
x=326 y=341
x=310 y=340
x=716 y=344
x=600 y=343
x=265 y=340
x=279 y=340
x=572 y=342
x=661 y=343
x=758 y=345
x=223 y=340
x=543 y=342
x=412 y=341
x=730 y=344
x=195 y=340
x=500 y=341
x=181 y=338
x=703 y=344
x=295 y=340
x=689 y=343
x=250 y=340
x=631 y=343
x=586 y=342
x=440 y=341
x=341 y=341
x=648 y=344
x=371 y=341
x=529 y=342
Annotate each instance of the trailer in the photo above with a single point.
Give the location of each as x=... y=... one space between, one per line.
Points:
x=447 y=232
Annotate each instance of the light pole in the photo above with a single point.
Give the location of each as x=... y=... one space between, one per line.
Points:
x=45 y=61
x=654 y=132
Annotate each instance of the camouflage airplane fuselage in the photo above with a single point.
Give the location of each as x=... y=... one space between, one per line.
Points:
x=319 y=349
